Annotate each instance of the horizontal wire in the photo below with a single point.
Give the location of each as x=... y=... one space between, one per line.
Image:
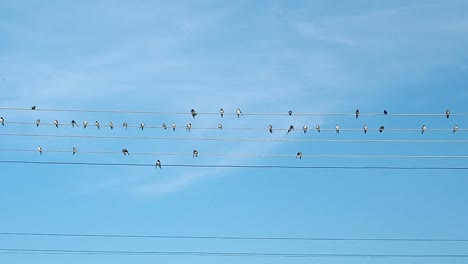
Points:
x=240 y=139
x=233 y=166
x=251 y=154
x=227 y=112
x=229 y=254
x=232 y=237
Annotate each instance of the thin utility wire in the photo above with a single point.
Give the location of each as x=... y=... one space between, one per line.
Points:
x=225 y=254
x=234 y=166
x=239 y=139
x=226 y=112
x=99 y=235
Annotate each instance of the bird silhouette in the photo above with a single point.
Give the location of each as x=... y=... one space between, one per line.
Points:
x=220 y=126
x=125 y=152
x=365 y=129
x=125 y=125
x=423 y=128
x=33 y=107
x=164 y=125
x=56 y=123
x=291 y=128
x=142 y=126
x=447 y=113
x=111 y=125
x=385 y=112
x=299 y=155
x=39 y=148
x=357 y=113
x=173 y=126
x=304 y=128
x=455 y=128
x=158 y=164
x=189 y=127
x=73 y=123
x=85 y=124
x=195 y=153
x=221 y=112
x=381 y=129
x=2 y=120
x=317 y=127
x=38 y=122
x=193 y=112
x=289 y=112
x=239 y=112
x=96 y=123
x=74 y=150
x=337 y=128
x=270 y=128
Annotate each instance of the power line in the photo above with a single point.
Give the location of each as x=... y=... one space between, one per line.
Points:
x=224 y=254
x=230 y=237
x=234 y=166
x=240 y=139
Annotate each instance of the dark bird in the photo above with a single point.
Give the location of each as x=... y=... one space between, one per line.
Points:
x=381 y=128
x=38 y=122
x=189 y=127
x=73 y=123
x=173 y=126
x=385 y=112
x=125 y=152
x=447 y=113
x=193 y=112
x=2 y=120
x=85 y=124
x=423 y=128
x=111 y=125
x=164 y=126
x=337 y=128
x=299 y=155
x=270 y=128
x=74 y=150
x=357 y=113
x=305 y=128
x=290 y=112
x=455 y=128
x=239 y=112
x=291 y=128
x=220 y=126
x=158 y=164
x=125 y=125
x=195 y=153
x=317 y=127
x=33 y=107
x=39 y=148
x=142 y=126
x=56 y=123
x=96 y=124
x=221 y=112
x=365 y=129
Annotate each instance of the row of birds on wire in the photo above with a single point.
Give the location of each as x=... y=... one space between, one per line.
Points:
x=188 y=127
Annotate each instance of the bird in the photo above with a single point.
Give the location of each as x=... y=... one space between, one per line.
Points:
x=299 y=155
x=270 y=128
x=74 y=150
x=221 y=112
x=125 y=125
x=111 y=125
x=56 y=123
x=2 y=120
x=193 y=112
x=365 y=129
x=381 y=129
x=73 y=123
x=239 y=112
x=423 y=128
x=38 y=122
x=357 y=113
x=96 y=123
x=291 y=128
x=220 y=126
x=173 y=126
x=85 y=124
x=164 y=125
x=317 y=127
x=33 y=107
x=385 y=112
x=195 y=153
x=39 y=148
x=447 y=113
x=304 y=128
x=125 y=152
x=289 y=112
x=158 y=164
x=455 y=128
x=142 y=125
x=337 y=128
x=189 y=127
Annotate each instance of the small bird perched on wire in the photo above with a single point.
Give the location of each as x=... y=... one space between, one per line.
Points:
x=221 y=112
x=39 y=148
x=195 y=153
x=158 y=164
x=299 y=155
x=357 y=113
x=270 y=128
x=193 y=112
x=385 y=112
x=74 y=150
x=455 y=128
x=447 y=113
x=173 y=126
x=189 y=127
x=291 y=128
x=337 y=128
x=381 y=129
x=96 y=123
x=56 y=123
x=33 y=107
x=38 y=122
x=85 y=124
x=239 y=112
x=220 y=126
x=142 y=126
x=111 y=125
x=423 y=128
x=2 y=120
x=125 y=152
x=164 y=125
x=289 y=112
x=317 y=127
x=125 y=125
x=365 y=129
x=305 y=128
x=73 y=123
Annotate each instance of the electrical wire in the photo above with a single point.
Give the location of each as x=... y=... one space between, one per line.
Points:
x=234 y=166
x=232 y=237
x=240 y=139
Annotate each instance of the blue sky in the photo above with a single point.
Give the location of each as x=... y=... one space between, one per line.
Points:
x=262 y=56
